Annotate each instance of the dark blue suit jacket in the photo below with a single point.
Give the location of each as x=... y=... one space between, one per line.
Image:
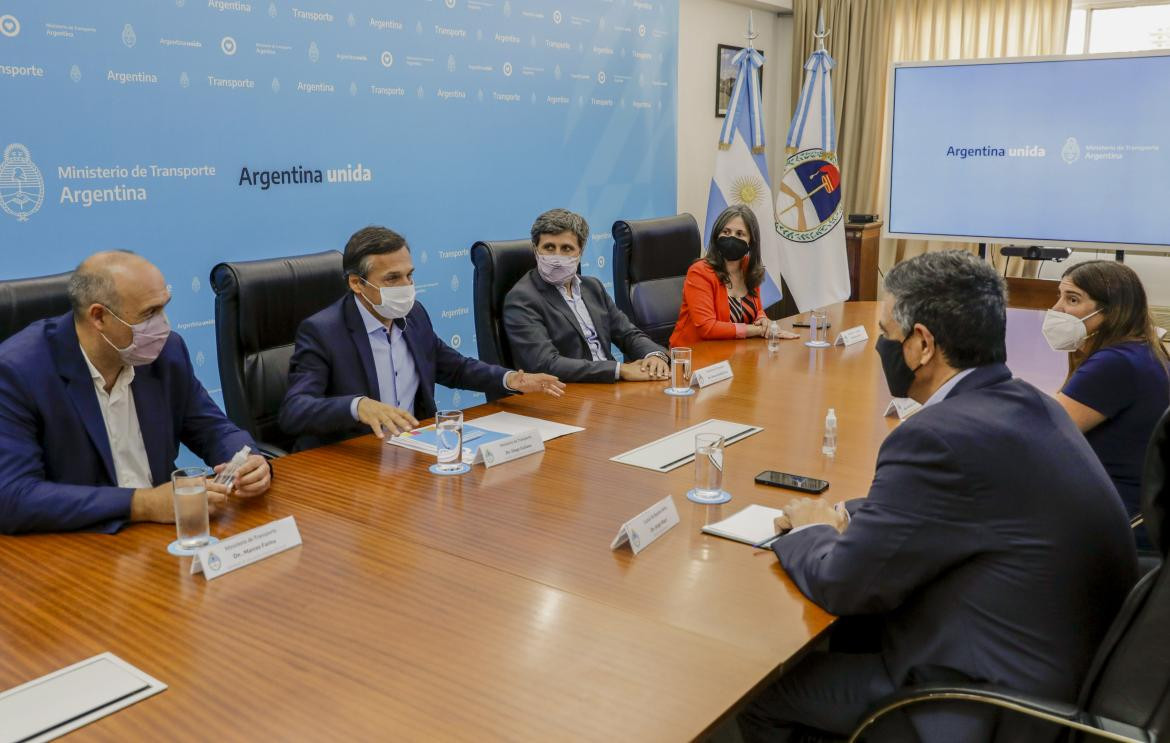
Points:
x=333 y=364
x=56 y=470
x=992 y=546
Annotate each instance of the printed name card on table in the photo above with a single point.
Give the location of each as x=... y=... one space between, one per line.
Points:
x=513 y=447
x=850 y=336
x=903 y=407
x=711 y=374
x=647 y=526
x=246 y=548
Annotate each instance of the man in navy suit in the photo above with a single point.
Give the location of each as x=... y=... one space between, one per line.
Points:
x=370 y=360
x=991 y=548
x=94 y=404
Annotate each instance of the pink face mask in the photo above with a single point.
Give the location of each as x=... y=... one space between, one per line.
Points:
x=149 y=338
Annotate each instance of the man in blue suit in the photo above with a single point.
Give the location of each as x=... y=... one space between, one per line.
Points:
x=94 y=404
x=991 y=547
x=370 y=360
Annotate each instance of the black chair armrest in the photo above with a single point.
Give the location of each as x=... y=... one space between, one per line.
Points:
x=1063 y=714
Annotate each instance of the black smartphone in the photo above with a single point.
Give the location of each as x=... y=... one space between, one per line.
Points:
x=792 y=482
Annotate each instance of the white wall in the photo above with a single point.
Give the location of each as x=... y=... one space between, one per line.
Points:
x=1152 y=268
x=703 y=24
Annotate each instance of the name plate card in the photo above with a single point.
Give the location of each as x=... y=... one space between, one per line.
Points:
x=711 y=374
x=513 y=447
x=246 y=548
x=903 y=407
x=851 y=335
x=647 y=526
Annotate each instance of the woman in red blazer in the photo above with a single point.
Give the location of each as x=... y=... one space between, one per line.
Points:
x=721 y=296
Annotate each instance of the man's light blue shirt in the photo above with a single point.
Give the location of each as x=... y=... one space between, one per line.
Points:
x=397 y=375
x=577 y=304
x=941 y=393
x=393 y=364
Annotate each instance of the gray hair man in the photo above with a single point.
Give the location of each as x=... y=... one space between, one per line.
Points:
x=991 y=548
x=560 y=322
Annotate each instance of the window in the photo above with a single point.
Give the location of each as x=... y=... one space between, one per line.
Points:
x=1102 y=26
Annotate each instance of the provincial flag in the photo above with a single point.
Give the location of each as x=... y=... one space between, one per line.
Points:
x=741 y=172
x=809 y=228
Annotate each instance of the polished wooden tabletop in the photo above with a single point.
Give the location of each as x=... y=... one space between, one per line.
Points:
x=484 y=606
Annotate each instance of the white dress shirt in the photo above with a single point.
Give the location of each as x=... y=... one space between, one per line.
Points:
x=131 y=467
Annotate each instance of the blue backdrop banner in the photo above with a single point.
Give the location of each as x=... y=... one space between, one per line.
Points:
x=198 y=131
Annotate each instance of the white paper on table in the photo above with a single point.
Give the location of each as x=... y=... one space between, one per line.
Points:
x=65 y=700
x=678 y=448
x=513 y=424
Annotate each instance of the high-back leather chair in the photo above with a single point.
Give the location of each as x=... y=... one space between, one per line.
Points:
x=1127 y=688
x=650 y=262
x=258 y=307
x=23 y=301
x=499 y=264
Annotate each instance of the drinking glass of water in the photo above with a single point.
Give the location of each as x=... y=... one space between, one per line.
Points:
x=818 y=321
x=191 y=523
x=680 y=372
x=708 y=470
x=449 y=443
x=773 y=334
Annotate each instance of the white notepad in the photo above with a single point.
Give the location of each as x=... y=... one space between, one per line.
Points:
x=751 y=525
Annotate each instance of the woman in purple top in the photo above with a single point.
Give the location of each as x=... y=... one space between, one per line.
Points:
x=1118 y=385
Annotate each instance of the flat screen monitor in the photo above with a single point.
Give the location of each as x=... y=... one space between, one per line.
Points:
x=1070 y=151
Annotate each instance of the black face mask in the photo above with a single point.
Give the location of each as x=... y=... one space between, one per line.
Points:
x=899 y=375
x=731 y=248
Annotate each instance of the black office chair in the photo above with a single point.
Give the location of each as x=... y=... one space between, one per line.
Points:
x=258 y=307
x=23 y=301
x=1126 y=694
x=650 y=262
x=499 y=264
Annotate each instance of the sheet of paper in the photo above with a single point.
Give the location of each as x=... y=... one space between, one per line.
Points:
x=67 y=699
x=678 y=448
x=512 y=424
x=750 y=525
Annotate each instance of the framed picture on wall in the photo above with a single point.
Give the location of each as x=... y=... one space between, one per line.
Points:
x=725 y=73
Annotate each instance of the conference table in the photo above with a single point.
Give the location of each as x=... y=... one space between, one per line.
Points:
x=487 y=606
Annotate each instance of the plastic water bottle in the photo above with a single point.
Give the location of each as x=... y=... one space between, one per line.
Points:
x=829 y=444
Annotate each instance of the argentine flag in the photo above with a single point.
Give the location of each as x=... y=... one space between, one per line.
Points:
x=741 y=172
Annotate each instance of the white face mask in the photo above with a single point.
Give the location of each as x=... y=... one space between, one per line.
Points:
x=1065 y=332
x=397 y=301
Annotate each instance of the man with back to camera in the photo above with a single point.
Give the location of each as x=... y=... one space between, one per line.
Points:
x=94 y=404
x=370 y=360
x=991 y=548
x=562 y=323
